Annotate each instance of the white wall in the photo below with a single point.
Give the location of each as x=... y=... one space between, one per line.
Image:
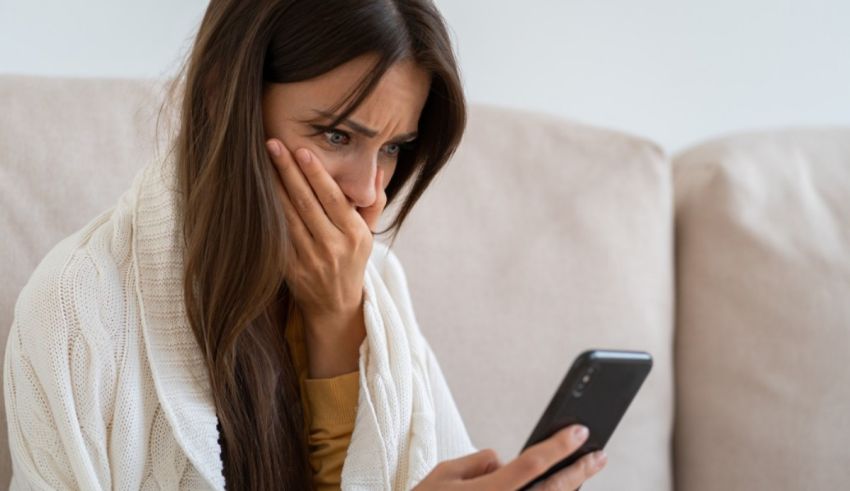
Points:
x=114 y=38
x=676 y=71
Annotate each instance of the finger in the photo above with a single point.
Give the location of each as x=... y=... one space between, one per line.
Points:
x=573 y=476
x=538 y=458
x=296 y=231
x=301 y=195
x=469 y=466
x=334 y=203
x=372 y=214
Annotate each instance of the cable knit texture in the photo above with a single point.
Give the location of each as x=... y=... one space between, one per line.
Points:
x=105 y=385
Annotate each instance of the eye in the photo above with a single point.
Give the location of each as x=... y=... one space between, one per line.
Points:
x=336 y=137
x=393 y=149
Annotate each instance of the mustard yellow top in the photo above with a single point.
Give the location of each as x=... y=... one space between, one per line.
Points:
x=330 y=405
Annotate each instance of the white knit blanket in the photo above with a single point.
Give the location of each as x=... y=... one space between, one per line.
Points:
x=105 y=386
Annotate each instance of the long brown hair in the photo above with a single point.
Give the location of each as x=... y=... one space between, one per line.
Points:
x=234 y=226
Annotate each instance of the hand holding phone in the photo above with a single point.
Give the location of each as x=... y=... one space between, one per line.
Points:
x=483 y=471
x=596 y=392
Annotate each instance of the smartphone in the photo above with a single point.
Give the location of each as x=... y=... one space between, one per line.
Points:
x=596 y=392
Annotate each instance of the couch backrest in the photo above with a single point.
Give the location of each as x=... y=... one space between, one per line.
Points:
x=763 y=312
x=541 y=239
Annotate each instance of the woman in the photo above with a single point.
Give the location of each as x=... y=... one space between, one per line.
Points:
x=230 y=321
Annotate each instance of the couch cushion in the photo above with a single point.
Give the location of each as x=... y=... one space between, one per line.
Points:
x=543 y=238
x=763 y=322
x=68 y=148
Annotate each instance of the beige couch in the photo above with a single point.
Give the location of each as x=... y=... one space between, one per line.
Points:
x=729 y=262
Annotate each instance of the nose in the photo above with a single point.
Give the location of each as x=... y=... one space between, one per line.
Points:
x=358 y=184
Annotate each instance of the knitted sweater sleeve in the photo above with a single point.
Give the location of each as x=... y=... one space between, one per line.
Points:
x=59 y=376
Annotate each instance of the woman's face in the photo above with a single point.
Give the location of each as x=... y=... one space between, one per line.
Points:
x=352 y=152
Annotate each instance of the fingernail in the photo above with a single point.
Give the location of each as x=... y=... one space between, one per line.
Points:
x=303 y=156
x=273 y=147
x=580 y=432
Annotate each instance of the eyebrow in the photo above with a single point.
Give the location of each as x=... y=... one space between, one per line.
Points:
x=363 y=129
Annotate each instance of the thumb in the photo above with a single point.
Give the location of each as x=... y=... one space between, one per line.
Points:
x=372 y=214
x=473 y=465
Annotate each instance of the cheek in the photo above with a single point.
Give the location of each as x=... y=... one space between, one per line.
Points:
x=389 y=170
x=292 y=141
x=336 y=163
x=329 y=160
x=333 y=162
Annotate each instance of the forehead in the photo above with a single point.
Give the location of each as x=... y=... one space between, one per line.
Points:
x=401 y=90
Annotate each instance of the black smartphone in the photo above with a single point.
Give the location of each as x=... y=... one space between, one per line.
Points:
x=596 y=392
